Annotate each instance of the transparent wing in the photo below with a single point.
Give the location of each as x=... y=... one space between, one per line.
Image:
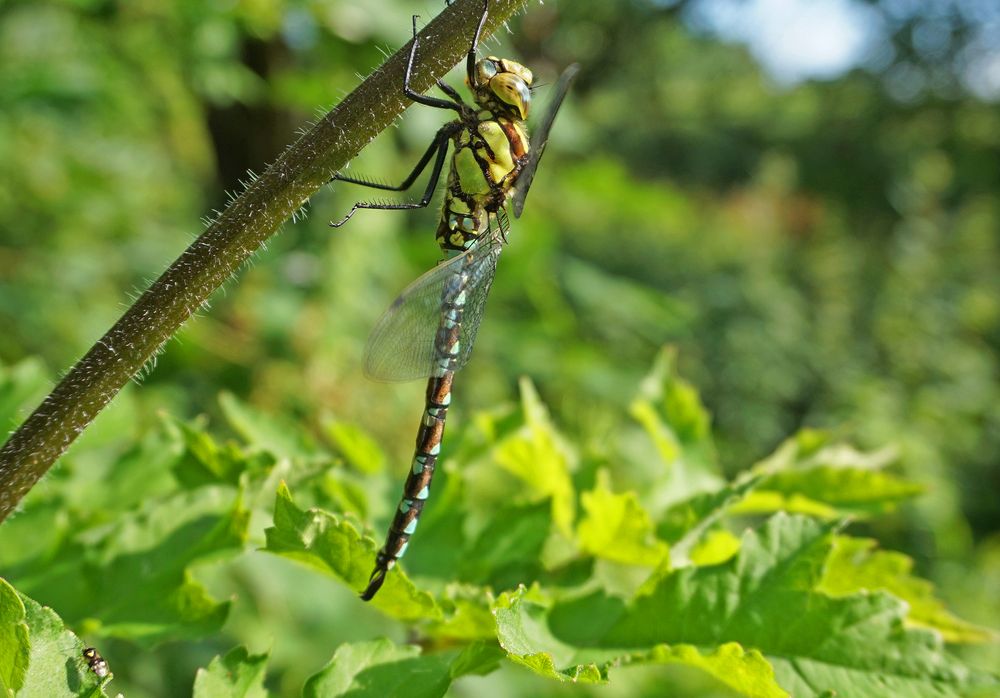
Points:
x=401 y=347
x=540 y=136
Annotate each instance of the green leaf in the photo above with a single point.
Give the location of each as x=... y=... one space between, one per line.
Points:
x=747 y=673
x=478 y=658
x=766 y=599
x=809 y=475
x=855 y=565
x=237 y=675
x=687 y=525
x=715 y=547
x=670 y=411
x=15 y=649
x=538 y=455
x=523 y=632
x=466 y=614
x=615 y=527
x=359 y=449
x=204 y=461
x=381 y=669
x=508 y=550
x=55 y=667
x=330 y=544
x=132 y=578
x=144 y=587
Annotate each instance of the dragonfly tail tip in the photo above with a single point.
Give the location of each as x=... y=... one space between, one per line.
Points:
x=374 y=584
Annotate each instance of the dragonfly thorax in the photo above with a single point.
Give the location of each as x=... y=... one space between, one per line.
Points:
x=503 y=87
x=490 y=151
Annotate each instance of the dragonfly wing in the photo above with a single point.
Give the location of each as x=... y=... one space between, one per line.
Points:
x=480 y=278
x=401 y=346
x=540 y=137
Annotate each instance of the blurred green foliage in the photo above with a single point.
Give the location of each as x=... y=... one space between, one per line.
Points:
x=824 y=255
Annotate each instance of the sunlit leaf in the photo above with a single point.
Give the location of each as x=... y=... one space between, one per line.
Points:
x=856 y=565
x=766 y=599
x=539 y=455
x=616 y=527
x=670 y=411
x=810 y=475
x=328 y=543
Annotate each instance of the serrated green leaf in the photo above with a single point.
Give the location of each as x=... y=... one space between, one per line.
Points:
x=747 y=673
x=236 y=675
x=144 y=587
x=615 y=527
x=855 y=565
x=15 y=649
x=330 y=544
x=356 y=447
x=522 y=632
x=381 y=669
x=478 y=658
x=764 y=599
x=466 y=614
x=539 y=456
x=56 y=668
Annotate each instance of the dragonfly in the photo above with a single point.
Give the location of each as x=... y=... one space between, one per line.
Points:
x=429 y=330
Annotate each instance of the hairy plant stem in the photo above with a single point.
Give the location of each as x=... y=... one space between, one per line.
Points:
x=228 y=243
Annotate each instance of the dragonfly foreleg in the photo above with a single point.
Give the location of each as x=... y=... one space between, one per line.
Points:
x=470 y=59
x=450 y=91
x=413 y=94
x=439 y=145
x=440 y=140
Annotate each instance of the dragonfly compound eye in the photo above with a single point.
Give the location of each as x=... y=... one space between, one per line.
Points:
x=485 y=70
x=509 y=66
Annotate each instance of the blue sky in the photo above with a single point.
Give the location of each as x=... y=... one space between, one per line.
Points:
x=797 y=40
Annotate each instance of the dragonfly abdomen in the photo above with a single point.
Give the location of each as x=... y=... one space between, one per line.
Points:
x=429 y=435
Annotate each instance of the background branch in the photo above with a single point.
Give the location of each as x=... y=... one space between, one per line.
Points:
x=228 y=243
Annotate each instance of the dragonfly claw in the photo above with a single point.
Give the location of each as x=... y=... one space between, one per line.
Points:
x=374 y=584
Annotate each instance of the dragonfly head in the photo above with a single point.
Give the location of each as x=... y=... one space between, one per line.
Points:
x=503 y=87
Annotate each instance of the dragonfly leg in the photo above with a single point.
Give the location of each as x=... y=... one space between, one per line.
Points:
x=450 y=91
x=440 y=144
x=413 y=94
x=470 y=59
x=440 y=138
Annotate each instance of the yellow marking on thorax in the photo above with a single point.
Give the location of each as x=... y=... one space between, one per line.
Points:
x=502 y=162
